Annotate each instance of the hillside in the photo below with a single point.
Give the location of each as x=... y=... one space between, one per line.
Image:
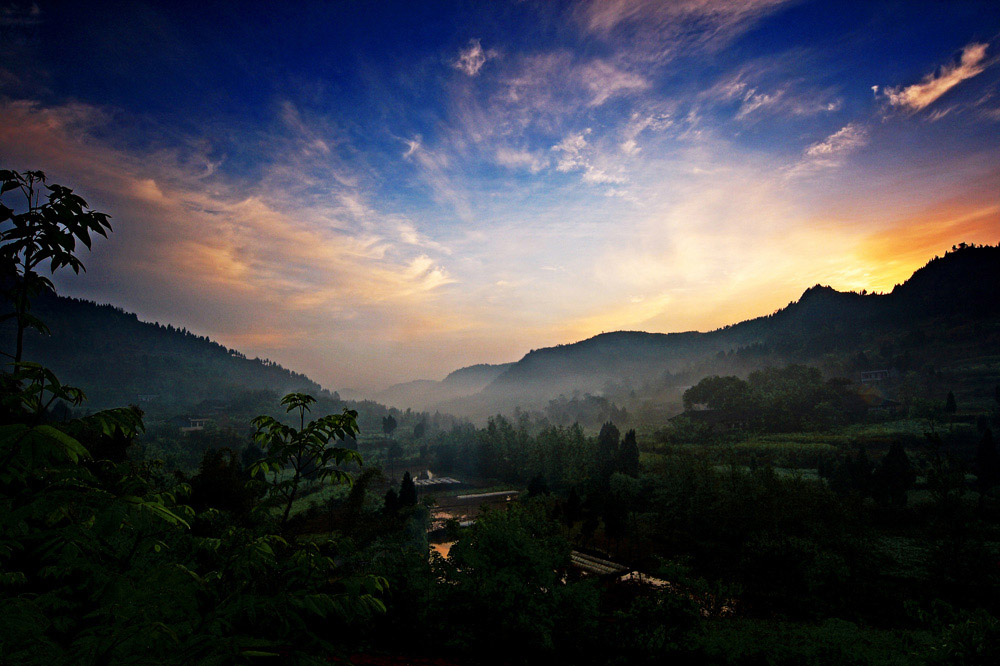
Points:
x=946 y=312
x=430 y=394
x=119 y=359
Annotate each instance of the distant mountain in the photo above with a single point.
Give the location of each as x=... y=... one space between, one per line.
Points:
x=118 y=359
x=426 y=394
x=947 y=310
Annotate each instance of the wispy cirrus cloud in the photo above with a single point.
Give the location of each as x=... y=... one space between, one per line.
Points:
x=658 y=30
x=575 y=153
x=921 y=95
x=471 y=59
x=521 y=159
x=604 y=81
x=847 y=138
x=771 y=87
x=558 y=81
x=651 y=120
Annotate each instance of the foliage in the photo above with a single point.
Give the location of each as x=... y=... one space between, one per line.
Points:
x=778 y=399
x=504 y=580
x=44 y=232
x=305 y=450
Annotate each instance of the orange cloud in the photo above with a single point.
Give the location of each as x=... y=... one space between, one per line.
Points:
x=923 y=94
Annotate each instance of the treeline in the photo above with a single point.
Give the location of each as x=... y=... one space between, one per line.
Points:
x=560 y=457
x=786 y=399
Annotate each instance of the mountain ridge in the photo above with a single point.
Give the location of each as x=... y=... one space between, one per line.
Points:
x=964 y=282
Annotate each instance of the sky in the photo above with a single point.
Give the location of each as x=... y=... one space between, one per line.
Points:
x=374 y=192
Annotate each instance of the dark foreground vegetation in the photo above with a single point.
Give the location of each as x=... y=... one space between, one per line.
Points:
x=785 y=518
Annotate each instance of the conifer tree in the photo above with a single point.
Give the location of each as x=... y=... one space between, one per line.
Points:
x=628 y=456
x=407 y=491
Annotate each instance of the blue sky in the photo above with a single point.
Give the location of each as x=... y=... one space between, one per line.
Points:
x=373 y=192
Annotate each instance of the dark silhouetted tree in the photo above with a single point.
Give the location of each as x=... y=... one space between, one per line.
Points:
x=607 y=449
x=573 y=509
x=407 y=491
x=893 y=477
x=221 y=484
x=949 y=404
x=537 y=486
x=388 y=425
x=628 y=455
x=391 y=501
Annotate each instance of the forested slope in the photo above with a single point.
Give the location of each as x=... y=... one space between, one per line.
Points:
x=120 y=360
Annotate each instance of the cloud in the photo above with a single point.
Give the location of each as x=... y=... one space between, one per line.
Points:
x=412 y=145
x=576 y=154
x=640 y=122
x=656 y=30
x=471 y=59
x=521 y=159
x=311 y=140
x=571 y=149
x=555 y=83
x=605 y=81
x=768 y=86
x=844 y=140
x=921 y=95
x=436 y=171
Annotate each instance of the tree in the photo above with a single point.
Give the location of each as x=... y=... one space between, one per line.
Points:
x=45 y=232
x=407 y=491
x=419 y=429
x=305 y=450
x=220 y=483
x=391 y=501
x=393 y=453
x=607 y=449
x=893 y=476
x=949 y=405
x=573 y=509
x=505 y=582
x=388 y=425
x=628 y=455
x=718 y=393
x=537 y=486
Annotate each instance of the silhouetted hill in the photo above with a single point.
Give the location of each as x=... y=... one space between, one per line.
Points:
x=475 y=375
x=947 y=309
x=429 y=394
x=118 y=359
